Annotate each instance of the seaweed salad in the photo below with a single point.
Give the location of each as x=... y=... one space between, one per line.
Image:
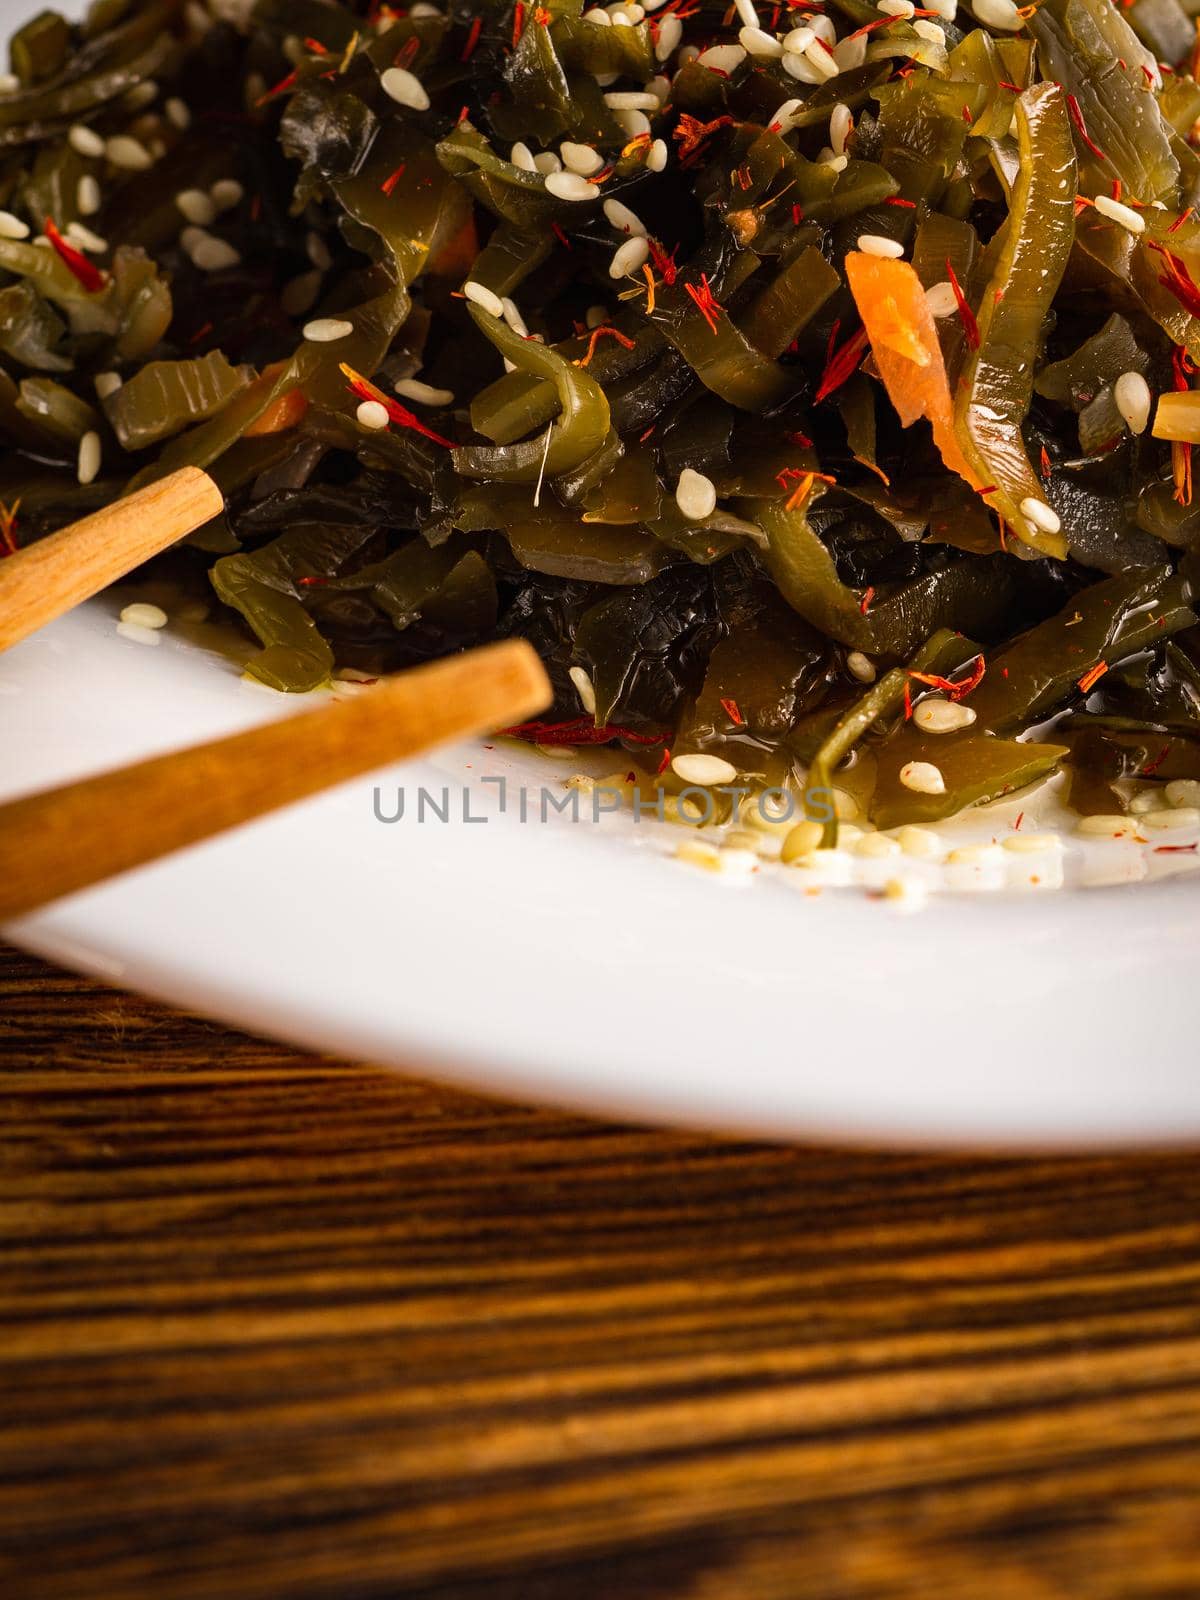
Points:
x=813 y=382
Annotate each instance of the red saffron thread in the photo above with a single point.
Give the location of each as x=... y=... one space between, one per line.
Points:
x=400 y=415
x=965 y=315
x=843 y=364
x=85 y=271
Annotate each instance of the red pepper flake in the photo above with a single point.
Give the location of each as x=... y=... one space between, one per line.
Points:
x=201 y=333
x=966 y=115
x=843 y=364
x=870 y=27
x=408 y=52
x=311 y=583
x=1092 y=676
x=1082 y=203
x=580 y=730
x=400 y=415
x=464 y=113
x=281 y=87
x=899 y=200
x=393 y=178
x=87 y=273
x=705 y=301
x=690 y=134
x=744 y=177
x=603 y=332
x=1081 y=125
x=8 y=527
x=315 y=47
x=1018 y=822
x=556 y=228
x=1175 y=849
x=664 y=763
x=907 y=701
x=864 y=605
x=468 y=49
x=965 y=315
x=1015 y=87
x=518 y=23
x=1180 y=220
x=542 y=17
x=956 y=688
x=730 y=708
x=1045 y=462
x=1178 y=279
x=664 y=264
x=644 y=436
x=797 y=214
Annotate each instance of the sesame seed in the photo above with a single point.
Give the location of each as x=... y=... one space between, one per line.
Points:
x=106 y=383
x=594 y=316
x=406 y=90
x=423 y=393
x=178 y=114
x=1126 y=216
x=137 y=634
x=1148 y=800
x=1175 y=817
x=1030 y=844
x=695 y=495
x=722 y=57
x=215 y=255
x=1001 y=14
x=841 y=123
x=845 y=808
x=144 y=615
x=704 y=770
x=299 y=294
x=838 y=163
x=822 y=26
x=922 y=843
x=874 y=244
x=660 y=86
x=127 y=153
x=372 y=414
x=801 y=841
x=485 y=297
x=922 y=777
x=88 y=197
x=782 y=120
x=83 y=238
x=227 y=193
x=758 y=42
x=946 y=9
x=599 y=16
x=798 y=40
x=88 y=464
x=656 y=156
x=670 y=33
x=9 y=83
x=1183 y=792
x=580 y=158
x=896 y=8
x=85 y=141
x=12 y=227
x=941 y=300
x=632 y=123
x=698 y=854
x=1107 y=825
x=546 y=162
x=850 y=52
x=196 y=206
x=876 y=846
x=1133 y=399
x=512 y=315
x=570 y=186
x=942 y=716
x=860 y=666
x=631 y=100
x=932 y=32
x=521 y=157
x=141 y=95
x=1043 y=517
x=619 y=17
x=191 y=236
x=629 y=257
x=623 y=219
x=584 y=689
x=326 y=330
x=746 y=13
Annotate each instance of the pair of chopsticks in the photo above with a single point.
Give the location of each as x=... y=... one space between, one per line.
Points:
x=58 y=841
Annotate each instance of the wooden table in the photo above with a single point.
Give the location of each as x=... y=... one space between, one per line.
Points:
x=278 y=1326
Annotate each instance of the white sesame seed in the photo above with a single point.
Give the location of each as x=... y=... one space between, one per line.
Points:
x=841 y=123
x=83 y=238
x=196 y=206
x=941 y=300
x=327 y=330
x=1148 y=800
x=922 y=843
x=896 y=8
x=127 y=153
x=722 y=57
x=876 y=846
x=874 y=244
x=823 y=28
x=12 y=227
x=635 y=13
x=656 y=156
x=932 y=32
x=623 y=219
x=214 y=255
x=704 y=770
x=946 y=9
x=598 y=15
x=485 y=297
x=89 y=457
x=670 y=33
x=1176 y=817
x=838 y=163
x=9 y=83
x=584 y=689
x=141 y=95
x=631 y=100
x=695 y=495
x=144 y=615
x=191 y=236
x=1043 y=517
x=632 y=123
x=299 y=294
x=546 y=162
x=975 y=867
x=580 y=158
x=570 y=186
x=660 y=87
x=688 y=54
x=747 y=15
x=846 y=810
x=758 y=42
x=798 y=40
x=88 y=197
x=512 y=315
x=595 y=315
x=922 y=777
x=423 y=394
x=372 y=414
x=1183 y=792
x=782 y=120
x=1133 y=398
x=942 y=716
x=699 y=854
x=137 y=634
x=406 y=90
x=821 y=61
x=1030 y=844
x=850 y=52
x=227 y=193
x=1108 y=825
x=619 y=17
x=85 y=141
x=1001 y=14
x=521 y=156
x=629 y=257
x=178 y=114
x=1126 y=216
x=106 y=383
x=861 y=666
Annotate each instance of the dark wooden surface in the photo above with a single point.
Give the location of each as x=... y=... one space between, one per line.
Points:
x=278 y=1326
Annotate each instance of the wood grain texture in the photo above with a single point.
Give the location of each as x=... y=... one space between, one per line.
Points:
x=275 y=1327
x=59 y=572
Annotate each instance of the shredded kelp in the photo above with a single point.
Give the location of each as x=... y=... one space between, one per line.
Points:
x=777 y=369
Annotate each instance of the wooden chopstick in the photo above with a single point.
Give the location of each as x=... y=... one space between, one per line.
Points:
x=41 y=581
x=61 y=840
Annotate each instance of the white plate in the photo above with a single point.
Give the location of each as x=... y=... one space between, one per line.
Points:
x=579 y=964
